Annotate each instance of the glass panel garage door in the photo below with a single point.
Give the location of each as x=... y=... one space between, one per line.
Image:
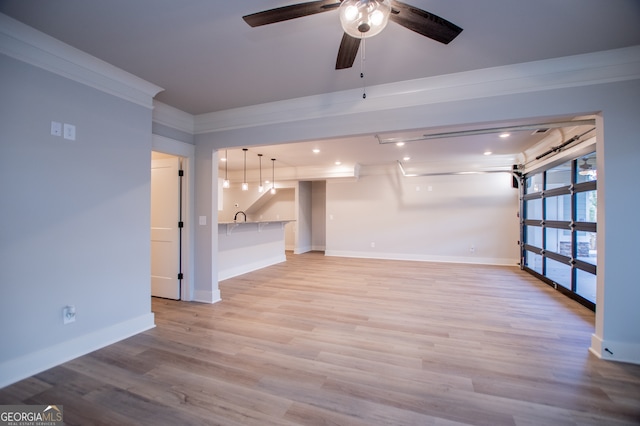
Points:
x=559 y=227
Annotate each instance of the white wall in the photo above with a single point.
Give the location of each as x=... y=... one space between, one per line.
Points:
x=440 y=218
x=75 y=219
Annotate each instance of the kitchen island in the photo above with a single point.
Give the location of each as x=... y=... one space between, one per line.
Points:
x=247 y=246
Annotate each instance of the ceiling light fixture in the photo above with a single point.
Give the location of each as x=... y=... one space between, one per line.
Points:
x=316 y=150
x=364 y=18
x=225 y=182
x=273 y=175
x=245 y=185
x=505 y=135
x=488 y=153
x=260 y=187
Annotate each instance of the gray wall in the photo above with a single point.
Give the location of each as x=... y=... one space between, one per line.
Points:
x=75 y=219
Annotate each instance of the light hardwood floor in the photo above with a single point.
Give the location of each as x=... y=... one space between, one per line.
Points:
x=334 y=341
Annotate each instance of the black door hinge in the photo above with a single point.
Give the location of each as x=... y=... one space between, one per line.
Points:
x=180 y=172
x=180 y=276
x=180 y=224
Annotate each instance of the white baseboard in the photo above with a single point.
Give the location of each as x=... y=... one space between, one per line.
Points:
x=300 y=250
x=206 y=296
x=615 y=351
x=424 y=258
x=27 y=365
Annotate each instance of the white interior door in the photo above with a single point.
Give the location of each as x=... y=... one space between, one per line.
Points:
x=165 y=234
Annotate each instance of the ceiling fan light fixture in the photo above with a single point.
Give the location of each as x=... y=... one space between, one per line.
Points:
x=364 y=18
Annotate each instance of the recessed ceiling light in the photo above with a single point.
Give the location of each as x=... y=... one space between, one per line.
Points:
x=316 y=150
x=488 y=153
x=505 y=135
x=406 y=158
x=338 y=163
x=399 y=143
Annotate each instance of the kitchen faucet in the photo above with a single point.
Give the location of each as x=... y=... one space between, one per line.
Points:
x=236 y=216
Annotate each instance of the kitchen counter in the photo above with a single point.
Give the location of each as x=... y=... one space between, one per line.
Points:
x=247 y=246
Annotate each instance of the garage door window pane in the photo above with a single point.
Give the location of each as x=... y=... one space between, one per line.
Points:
x=559 y=176
x=558 y=241
x=586 y=206
x=534 y=209
x=586 y=168
x=533 y=184
x=586 y=250
x=586 y=285
x=558 y=208
x=534 y=261
x=534 y=236
x=559 y=273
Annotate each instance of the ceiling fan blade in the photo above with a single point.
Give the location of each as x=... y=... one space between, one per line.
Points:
x=423 y=22
x=293 y=11
x=347 y=52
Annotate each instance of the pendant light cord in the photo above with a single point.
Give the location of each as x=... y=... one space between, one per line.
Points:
x=362 y=66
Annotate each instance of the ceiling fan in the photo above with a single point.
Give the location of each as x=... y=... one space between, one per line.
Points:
x=361 y=19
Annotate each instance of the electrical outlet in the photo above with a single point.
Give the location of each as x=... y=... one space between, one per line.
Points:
x=56 y=128
x=373 y=244
x=68 y=314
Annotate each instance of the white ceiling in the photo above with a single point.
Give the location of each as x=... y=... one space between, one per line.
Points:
x=208 y=59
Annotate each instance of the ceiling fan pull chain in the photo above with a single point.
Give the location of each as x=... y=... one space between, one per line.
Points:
x=362 y=59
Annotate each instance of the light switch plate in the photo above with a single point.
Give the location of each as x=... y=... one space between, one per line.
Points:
x=69 y=132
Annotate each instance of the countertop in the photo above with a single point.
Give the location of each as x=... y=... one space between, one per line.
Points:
x=251 y=222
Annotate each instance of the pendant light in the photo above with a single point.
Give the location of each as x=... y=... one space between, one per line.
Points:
x=273 y=175
x=225 y=182
x=364 y=18
x=260 y=187
x=245 y=185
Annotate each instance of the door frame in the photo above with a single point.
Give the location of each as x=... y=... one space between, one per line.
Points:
x=187 y=153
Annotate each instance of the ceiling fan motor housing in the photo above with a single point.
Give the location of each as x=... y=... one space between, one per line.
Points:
x=364 y=18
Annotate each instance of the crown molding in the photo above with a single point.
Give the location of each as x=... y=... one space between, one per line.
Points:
x=172 y=117
x=26 y=44
x=571 y=71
